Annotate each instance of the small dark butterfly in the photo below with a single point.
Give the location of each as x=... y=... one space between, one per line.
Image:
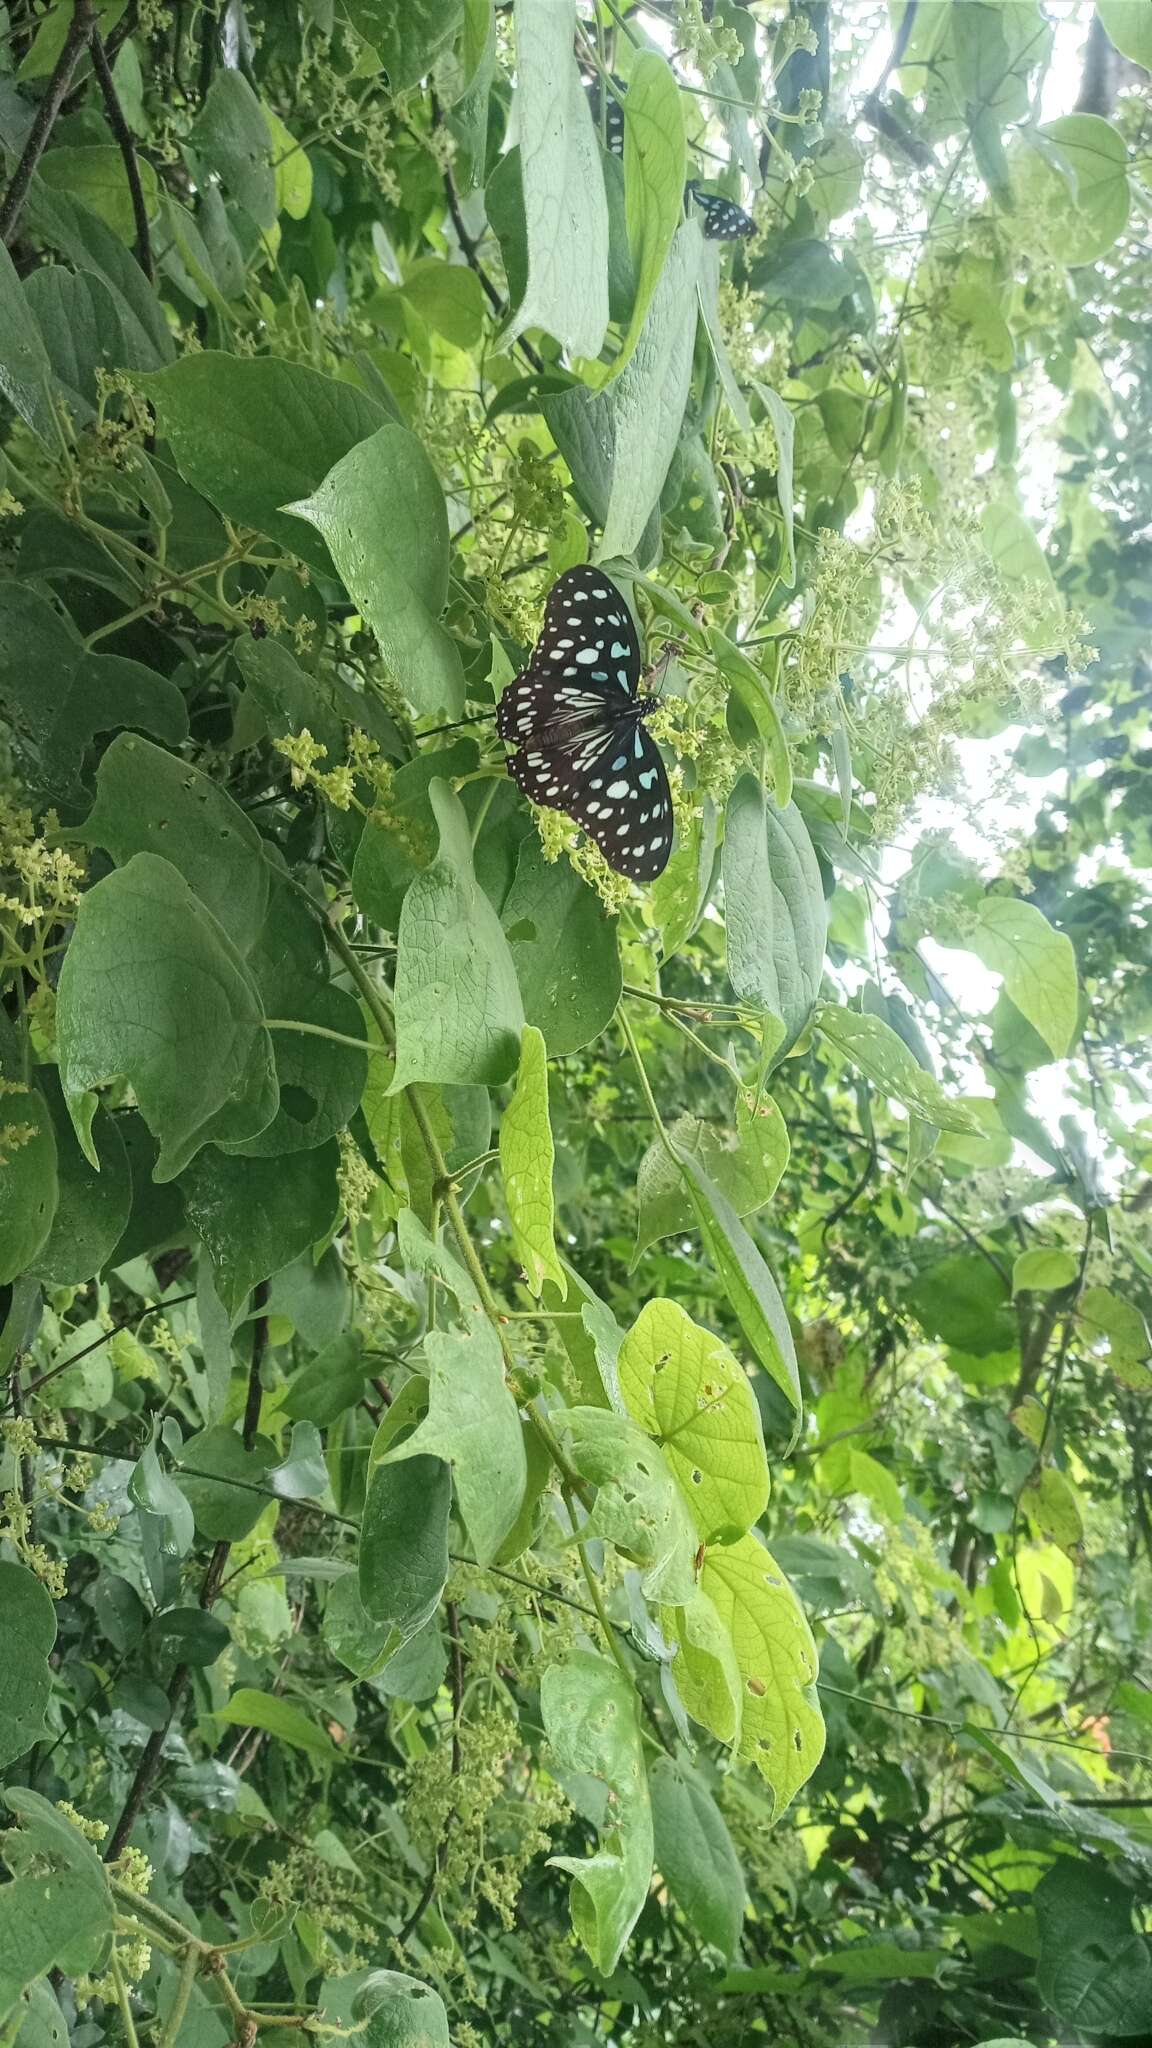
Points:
x=576 y=721
x=723 y=222
x=613 y=117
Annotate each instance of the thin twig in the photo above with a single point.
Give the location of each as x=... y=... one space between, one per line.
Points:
x=79 y=30
x=123 y=134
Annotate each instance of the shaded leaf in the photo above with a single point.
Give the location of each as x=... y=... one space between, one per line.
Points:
x=527 y=1157
x=591 y=1718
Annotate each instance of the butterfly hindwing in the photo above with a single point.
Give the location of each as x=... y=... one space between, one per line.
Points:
x=616 y=789
x=723 y=220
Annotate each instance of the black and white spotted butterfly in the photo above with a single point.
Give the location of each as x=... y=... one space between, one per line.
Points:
x=613 y=115
x=723 y=222
x=576 y=720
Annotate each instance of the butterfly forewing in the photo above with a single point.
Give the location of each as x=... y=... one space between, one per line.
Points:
x=723 y=221
x=576 y=722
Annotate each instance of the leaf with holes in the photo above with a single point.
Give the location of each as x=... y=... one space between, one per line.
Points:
x=592 y=1720
x=683 y=1386
x=638 y=1506
x=527 y=1158
x=782 y=1730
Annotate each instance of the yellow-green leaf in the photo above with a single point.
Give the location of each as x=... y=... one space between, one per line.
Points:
x=705 y=1669
x=782 y=1729
x=684 y=1387
x=527 y=1157
x=292 y=169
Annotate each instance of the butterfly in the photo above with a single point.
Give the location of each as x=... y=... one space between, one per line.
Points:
x=723 y=222
x=576 y=721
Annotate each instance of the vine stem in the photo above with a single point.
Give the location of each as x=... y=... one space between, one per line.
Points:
x=193 y=1958
x=123 y=2000
x=645 y=1085
x=596 y=1598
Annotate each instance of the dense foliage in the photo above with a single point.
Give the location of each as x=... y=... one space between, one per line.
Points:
x=577 y=1458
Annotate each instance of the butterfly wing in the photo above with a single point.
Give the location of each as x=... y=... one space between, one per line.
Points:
x=615 y=786
x=584 y=668
x=723 y=221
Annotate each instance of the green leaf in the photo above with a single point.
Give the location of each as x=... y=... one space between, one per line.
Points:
x=745 y=1164
x=400 y=2012
x=655 y=159
x=473 y=1424
x=683 y=1386
x=92 y=1207
x=705 y=1670
x=784 y=426
x=591 y=1718
x=782 y=1730
x=406 y=39
x=149 y=976
x=25 y=1675
x=158 y=1494
x=1094 y=1971
x=225 y=1485
x=1051 y=1504
x=448 y=296
x=94 y=174
x=187 y=1635
x=404 y=1542
x=381 y=511
x=872 y=1045
x=57 y=698
x=1086 y=226
x=29 y=1184
x=458 y=1010
x=90 y=246
x=775 y=915
x=1105 y=1314
x=564 y=948
x=646 y=403
x=291 y=167
x=527 y=1159
x=332 y=1382
x=752 y=688
x=250 y=1708
x=149 y=801
x=1044 y=1269
x=84 y=333
x=709 y=287
x=56 y=1910
x=257 y=1215
x=965 y=1302
x=694 y=1852
x=565 y=208
x=1128 y=24
x=25 y=370
x=638 y=1506
x=749 y=1285
x=231 y=134
x=254 y=434
x=1015 y=940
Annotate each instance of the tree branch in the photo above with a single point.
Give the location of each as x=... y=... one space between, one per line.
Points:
x=79 y=31
x=123 y=134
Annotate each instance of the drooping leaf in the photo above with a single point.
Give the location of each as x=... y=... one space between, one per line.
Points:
x=694 y=1851
x=647 y=401
x=400 y=2012
x=784 y=426
x=527 y=1157
x=226 y=1484
x=882 y=1054
x=745 y=1164
x=564 y=947
x=749 y=1285
x=457 y=1003
x=29 y=1181
x=775 y=915
x=1038 y=964
x=94 y=173
x=591 y=1718
x=92 y=1208
x=381 y=512
x=25 y=1674
x=782 y=1730
x=565 y=209
x=1043 y=1269
x=249 y=1707
x=407 y=38
x=56 y=1911
x=654 y=171
x=404 y=1542
x=232 y=136
x=473 y=1424
x=684 y=1387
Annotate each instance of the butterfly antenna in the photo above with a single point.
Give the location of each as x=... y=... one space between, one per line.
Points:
x=479 y=718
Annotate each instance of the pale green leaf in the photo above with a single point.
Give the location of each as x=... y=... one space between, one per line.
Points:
x=775 y=915
x=709 y=288
x=1128 y=24
x=638 y=1505
x=381 y=512
x=745 y=1164
x=683 y=1386
x=1038 y=964
x=647 y=402
x=458 y=1010
x=94 y=174
x=1043 y=1269
x=872 y=1045
x=752 y=689
x=782 y=1731
x=654 y=171
x=592 y=1720
x=292 y=169
x=705 y=1669
x=565 y=207
x=784 y=425
x=400 y=2012
x=29 y=1175
x=473 y=1424
x=250 y=1708
x=527 y=1158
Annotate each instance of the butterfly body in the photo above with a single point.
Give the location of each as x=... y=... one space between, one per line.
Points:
x=723 y=221
x=576 y=721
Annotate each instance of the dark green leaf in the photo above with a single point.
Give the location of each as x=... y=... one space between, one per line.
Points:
x=25 y=1675
x=775 y=915
x=92 y=1208
x=257 y=1215
x=564 y=948
x=404 y=1542
x=695 y=1853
